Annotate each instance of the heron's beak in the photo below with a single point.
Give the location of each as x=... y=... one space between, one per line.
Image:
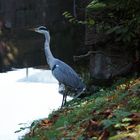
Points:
x=31 y=29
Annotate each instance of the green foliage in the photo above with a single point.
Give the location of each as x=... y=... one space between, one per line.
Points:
x=118 y=18
x=121 y=113
x=89 y=22
x=95 y=5
x=118 y=120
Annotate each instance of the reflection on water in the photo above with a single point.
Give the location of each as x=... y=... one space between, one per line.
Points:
x=23 y=99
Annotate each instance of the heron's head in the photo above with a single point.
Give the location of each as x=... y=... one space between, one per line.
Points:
x=43 y=30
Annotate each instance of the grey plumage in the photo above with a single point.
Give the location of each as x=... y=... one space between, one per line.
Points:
x=66 y=75
x=61 y=71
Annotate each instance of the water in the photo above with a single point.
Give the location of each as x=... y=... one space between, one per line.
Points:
x=23 y=99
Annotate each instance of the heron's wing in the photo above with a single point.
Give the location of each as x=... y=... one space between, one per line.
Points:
x=66 y=75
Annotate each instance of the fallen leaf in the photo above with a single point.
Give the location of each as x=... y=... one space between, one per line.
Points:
x=130 y=127
x=104 y=135
x=46 y=123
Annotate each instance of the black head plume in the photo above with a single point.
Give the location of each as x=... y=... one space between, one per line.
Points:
x=42 y=28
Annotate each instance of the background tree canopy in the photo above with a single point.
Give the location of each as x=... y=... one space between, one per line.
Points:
x=119 y=18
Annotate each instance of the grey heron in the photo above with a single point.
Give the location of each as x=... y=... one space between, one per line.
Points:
x=60 y=70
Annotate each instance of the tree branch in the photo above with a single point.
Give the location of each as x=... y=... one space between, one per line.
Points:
x=76 y=58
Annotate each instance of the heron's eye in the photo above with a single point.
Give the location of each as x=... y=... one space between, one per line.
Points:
x=42 y=28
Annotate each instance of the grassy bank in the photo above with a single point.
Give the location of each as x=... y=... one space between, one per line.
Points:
x=111 y=113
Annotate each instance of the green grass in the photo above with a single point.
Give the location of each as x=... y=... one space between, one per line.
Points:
x=108 y=111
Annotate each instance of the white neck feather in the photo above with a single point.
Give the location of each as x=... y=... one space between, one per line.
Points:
x=48 y=53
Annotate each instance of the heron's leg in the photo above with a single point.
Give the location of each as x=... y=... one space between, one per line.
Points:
x=64 y=99
x=62 y=91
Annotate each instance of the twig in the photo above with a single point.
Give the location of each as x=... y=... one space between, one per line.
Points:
x=76 y=58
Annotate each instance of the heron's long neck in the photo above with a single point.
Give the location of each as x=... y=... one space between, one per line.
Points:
x=48 y=53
